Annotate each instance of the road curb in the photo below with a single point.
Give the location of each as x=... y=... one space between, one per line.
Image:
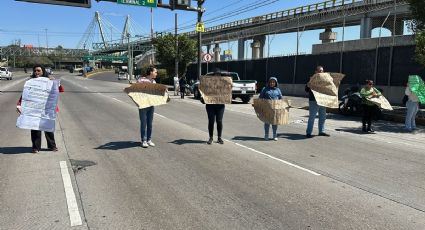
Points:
x=96 y=72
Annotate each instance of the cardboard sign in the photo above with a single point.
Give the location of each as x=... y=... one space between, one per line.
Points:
x=381 y=102
x=147 y=94
x=325 y=88
x=38 y=107
x=216 y=89
x=275 y=112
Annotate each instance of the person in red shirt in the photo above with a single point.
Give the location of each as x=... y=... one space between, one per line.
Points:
x=39 y=71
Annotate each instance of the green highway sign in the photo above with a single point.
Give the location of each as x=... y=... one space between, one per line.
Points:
x=147 y=3
x=105 y=58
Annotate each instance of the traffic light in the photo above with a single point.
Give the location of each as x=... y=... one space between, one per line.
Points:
x=78 y=3
x=179 y=4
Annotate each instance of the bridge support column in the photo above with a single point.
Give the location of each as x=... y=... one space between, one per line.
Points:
x=241 y=49
x=208 y=49
x=328 y=36
x=258 y=47
x=255 y=45
x=217 y=51
x=365 y=28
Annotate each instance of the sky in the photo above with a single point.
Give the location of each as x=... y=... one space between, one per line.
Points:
x=52 y=25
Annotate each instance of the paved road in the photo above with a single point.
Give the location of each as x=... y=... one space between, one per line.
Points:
x=346 y=181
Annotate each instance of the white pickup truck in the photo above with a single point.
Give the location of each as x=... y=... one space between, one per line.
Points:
x=243 y=89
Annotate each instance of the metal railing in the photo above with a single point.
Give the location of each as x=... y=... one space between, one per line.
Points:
x=290 y=13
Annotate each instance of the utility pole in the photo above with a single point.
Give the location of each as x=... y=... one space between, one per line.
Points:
x=47 y=42
x=152 y=47
x=176 y=62
x=200 y=12
x=129 y=59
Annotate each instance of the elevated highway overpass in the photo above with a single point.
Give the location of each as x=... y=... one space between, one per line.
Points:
x=369 y=14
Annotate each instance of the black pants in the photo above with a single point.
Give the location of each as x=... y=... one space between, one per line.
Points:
x=215 y=113
x=368 y=112
x=36 y=139
x=182 y=91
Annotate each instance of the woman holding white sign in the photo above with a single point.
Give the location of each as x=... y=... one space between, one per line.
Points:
x=271 y=92
x=39 y=71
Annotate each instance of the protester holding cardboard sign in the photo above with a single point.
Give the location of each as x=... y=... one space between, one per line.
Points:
x=146 y=113
x=369 y=93
x=268 y=94
x=314 y=107
x=412 y=91
x=216 y=91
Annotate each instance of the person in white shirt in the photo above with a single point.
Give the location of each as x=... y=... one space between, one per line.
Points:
x=146 y=114
x=412 y=106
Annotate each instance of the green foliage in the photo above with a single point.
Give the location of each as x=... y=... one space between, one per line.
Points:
x=420 y=47
x=166 y=52
x=417 y=7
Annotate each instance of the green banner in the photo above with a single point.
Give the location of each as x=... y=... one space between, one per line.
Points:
x=417 y=86
x=147 y=3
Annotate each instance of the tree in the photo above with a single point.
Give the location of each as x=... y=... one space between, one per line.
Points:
x=417 y=7
x=166 y=52
x=418 y=26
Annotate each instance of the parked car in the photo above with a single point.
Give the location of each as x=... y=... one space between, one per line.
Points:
x=243 y=89
x=5 y=73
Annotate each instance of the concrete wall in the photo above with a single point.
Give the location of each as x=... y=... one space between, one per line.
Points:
x=363 y=44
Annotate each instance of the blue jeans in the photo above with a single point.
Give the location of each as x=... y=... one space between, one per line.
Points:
x=266 y=130
x=313 y=109
x=412 y=110
x=146 y=118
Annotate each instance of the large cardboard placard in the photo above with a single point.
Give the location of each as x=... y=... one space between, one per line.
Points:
x=147 y=94
x=275 y=112
x=325 y=88
x=38 y=106
x=417 y=86
x=381 y=102
x=216 y=89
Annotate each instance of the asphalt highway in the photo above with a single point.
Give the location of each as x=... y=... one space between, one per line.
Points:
x=349 y=180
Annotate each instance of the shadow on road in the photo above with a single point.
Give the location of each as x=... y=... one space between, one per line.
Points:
x=15 y=150
x=116 y=145
x=184 y=141
x=246 y=138
x=291 y=136
x=354 y=130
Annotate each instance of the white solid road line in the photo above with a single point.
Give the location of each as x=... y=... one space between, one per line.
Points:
x=275 y=158
x=264 y=154
x=74 y=214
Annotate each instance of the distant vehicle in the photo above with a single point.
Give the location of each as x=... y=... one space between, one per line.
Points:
x=5 y=73
x=243 y=89
x=122 y=75
x=87 y=69
x=49 y=71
